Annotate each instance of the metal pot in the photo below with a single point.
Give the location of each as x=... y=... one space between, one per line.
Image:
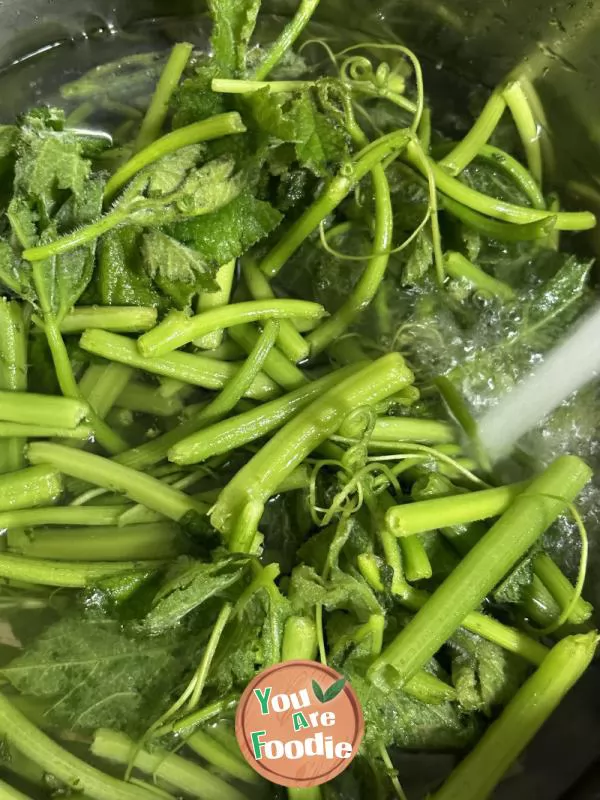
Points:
x=480 y=41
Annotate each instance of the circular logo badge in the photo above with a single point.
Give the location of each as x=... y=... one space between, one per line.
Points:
x=299 y=724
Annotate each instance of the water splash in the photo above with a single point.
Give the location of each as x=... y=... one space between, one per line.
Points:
x=569 y=367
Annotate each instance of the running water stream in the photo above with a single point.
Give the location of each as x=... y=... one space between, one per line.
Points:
x=569 y=367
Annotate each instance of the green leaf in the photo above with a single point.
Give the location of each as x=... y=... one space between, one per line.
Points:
x=122 y=277
x=232 y=230
x=419 y=259
x=8 y=140
x=94 y=674
x=318 y=139
x=318 y=692
x=333 y=691
x=394 y=718
x=180 y=272
x=15 y=274
x=485 y=676
x=194 y=100
x=343 y=591
x=67 y=275
x=513 y=588
x=233 y=25
x=49 y=163
x=169 y=172
x=189 y=586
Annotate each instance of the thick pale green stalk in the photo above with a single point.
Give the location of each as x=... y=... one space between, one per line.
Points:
x=209 y=373
x=204 y=131
x=61 y=515
x=240 y=86
x=405 y=429
x=458 y=509
x=498 y=209
x=159 y=106
x=277 y=366
x=64 y=574
x=144 y=398
x=416 y=563
x=245 y=530
x=81 y=433
x=259 y=479
x=299 y=639
x=42 y=409
x=120 y=319
x=286 y=38
x=69 y=769
x=529 y=516
x=290 y=341
x=210 y=300
x=193 y=447
x=179 y=329
x=528 y=128
x=479 y=773
x=511 y=639
x=101 y=385
x=160 y=540
x=99 y=471
x=237 y=387
x=189 y=778
x=224 y=759
x=459 y=267
x=464 y=152
x=27 y=488
x=13 y=373
x=8 y=792
x=561 y=588
x=333 y=194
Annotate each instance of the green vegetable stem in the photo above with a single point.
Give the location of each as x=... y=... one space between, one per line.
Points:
x=13 y=373
x=259 y=479
x=174 y=770
x=286 y=38
x=242 y=429
x=290 y=341
x=277 y=366
x=191 y=368
x=27 y=488
x=531 y=513
x=157 y=111
x=498 y=209
x=37 y=409
x=468 y=149
x=204 y=131
x=99 y=471
x=209 y=300
x=55 y=760
x=333 y=194
x=120 y=319
x=481 y=770
x=178 y=329
x=76 y=575
x=460 y=509
x=225 y=757
x=459 y=267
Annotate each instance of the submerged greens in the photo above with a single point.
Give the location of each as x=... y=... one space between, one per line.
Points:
x=243 y=335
